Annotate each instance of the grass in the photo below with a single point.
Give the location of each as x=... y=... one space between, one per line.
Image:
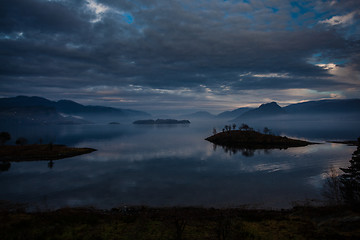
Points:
x=181 y=223
x=39 y=152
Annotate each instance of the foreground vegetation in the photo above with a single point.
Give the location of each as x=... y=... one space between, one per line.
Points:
x=34 y=152
x=180 y=223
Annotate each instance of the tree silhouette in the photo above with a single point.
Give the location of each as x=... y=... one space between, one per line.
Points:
x=244 y=127
x=350 y=180
x=266 y=130
x=5 y=166
x=234 y=126
x=214 y=131
x=4 y=137
x=21 y=141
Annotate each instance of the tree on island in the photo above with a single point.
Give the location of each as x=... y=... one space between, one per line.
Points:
x=4 y=137
x=266 y=130
x=244 y=127
x=214 y=131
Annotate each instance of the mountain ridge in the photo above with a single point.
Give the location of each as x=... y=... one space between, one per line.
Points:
x=68 y=107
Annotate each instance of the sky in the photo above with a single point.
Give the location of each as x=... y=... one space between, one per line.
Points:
x=180 y=56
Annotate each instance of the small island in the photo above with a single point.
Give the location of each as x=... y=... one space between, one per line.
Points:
x=249 y=139
x=347 y=142
x=36 y=152
x=162 y=121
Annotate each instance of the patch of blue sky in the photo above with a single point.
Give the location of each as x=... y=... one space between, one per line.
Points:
x=300 y=6
x=274 y=9
x=320 y=58
x=128 y=18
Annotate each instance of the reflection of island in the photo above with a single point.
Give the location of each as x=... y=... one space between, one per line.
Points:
x=162 y=121
x=250 y=140
x=39 y=152
x=347 y=142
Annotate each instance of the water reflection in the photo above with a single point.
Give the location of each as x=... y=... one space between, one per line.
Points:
x=50 y=164
x=246 y=152
x=168 y=166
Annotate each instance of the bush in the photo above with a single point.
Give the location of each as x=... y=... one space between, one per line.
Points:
x=4 y=137
x=21 y=141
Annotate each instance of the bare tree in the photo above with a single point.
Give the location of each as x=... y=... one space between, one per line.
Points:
x=244 y=127
x=350 y=180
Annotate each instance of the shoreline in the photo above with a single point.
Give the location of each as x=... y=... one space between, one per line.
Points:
x=39 y=152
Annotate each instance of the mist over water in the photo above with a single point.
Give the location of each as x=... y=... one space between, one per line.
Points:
x=172 y=165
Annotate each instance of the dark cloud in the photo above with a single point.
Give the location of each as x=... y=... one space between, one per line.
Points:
x=174 y=45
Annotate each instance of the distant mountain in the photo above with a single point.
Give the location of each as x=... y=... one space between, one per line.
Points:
x=67 y=107
x=265 y=110
x=199 y=114
x=234 y=113
x=309 y=109
x=325 y=106
x=35 y=115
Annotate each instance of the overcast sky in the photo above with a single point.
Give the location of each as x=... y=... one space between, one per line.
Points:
x=166 y=55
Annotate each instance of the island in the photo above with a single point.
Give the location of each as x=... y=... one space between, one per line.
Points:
x=250 y=139
x=347 y=142
x=35 y=152
x=161 y=121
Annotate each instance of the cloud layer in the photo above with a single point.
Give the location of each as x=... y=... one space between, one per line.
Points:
x=160 y=55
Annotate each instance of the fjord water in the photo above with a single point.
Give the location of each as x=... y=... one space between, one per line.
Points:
x=171 y=165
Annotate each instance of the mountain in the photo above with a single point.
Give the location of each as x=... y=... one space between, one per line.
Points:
x=67 y=108
x=307 y=110
x=325 y=106
x=265 y=110
x=199 y=114
x=234 y=113
x=35 y=115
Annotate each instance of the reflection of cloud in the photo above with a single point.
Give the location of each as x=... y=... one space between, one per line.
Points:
x=340 y=20
x=272 y=167
x=316 y=181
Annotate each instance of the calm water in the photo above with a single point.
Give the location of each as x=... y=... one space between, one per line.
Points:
x=170 y=166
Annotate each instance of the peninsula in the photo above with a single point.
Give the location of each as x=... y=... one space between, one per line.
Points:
x=36 y=152
x=162 y=121
x=254 y=140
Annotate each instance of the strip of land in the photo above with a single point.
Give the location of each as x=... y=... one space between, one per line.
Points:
x=162 y=121
x=37 y=152
x=347 y=142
